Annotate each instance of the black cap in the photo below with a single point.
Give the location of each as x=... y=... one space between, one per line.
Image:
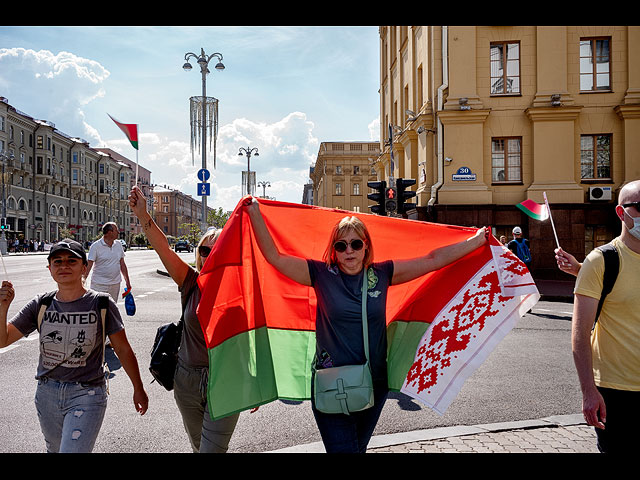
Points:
x=69 y=246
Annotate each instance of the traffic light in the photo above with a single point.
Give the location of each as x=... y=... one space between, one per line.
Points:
x=379 y=197
x=402 y=186
x=391 y=200
x=3 y=224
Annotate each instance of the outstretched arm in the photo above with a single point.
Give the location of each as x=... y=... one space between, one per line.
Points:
x=293 y=267
x=407 y=270
x=176 y=267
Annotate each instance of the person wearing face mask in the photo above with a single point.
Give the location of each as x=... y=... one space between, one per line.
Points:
x=607 y=355
x=337 y=280
x=192 y=372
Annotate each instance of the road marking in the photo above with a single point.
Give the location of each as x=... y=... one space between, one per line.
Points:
x=6 y=349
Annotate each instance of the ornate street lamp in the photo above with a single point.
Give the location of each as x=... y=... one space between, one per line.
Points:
x=248 y=152
x=264 y=186
x=199 y=108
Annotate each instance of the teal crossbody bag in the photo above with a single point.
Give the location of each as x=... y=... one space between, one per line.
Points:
x=348 y=388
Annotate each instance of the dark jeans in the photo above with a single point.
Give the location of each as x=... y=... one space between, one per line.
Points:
x=623 y=421
x=350 y=433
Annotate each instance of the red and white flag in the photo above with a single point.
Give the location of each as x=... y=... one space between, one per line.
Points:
x=259 y=326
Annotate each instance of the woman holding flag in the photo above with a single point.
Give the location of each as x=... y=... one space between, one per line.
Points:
x=337 y=282
x=205 y=435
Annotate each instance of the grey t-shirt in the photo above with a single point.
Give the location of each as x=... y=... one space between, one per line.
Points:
x=71 y=345
x=339 y=316
x=193 y=349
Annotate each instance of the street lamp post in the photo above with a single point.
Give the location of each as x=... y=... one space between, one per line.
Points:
x=248 y=152
x=264 y=186
x=203 y=60
x=4 y=156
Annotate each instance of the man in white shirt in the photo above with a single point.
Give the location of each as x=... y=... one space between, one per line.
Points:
x=106 y=260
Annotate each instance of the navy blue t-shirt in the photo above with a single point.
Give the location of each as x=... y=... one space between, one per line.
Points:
x=339 y=316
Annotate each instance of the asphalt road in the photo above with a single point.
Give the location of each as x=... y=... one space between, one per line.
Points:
x=529 y=375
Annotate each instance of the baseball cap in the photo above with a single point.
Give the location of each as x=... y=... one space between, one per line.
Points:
x=517 y=231
x=69 y=246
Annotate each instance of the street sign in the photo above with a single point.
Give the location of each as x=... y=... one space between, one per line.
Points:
x=203 y=174
x=204 y=189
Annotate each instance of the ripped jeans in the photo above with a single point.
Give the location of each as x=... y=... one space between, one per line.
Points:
x=70 y=414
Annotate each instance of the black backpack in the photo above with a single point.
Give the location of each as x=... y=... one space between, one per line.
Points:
x=164 y=353
x=611 y=270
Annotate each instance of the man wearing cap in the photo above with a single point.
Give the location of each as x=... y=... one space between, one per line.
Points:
x=106 y=260
x=607 y=354
x=520 y=246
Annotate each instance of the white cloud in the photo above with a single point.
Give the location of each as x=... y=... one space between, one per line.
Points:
x=65 y=83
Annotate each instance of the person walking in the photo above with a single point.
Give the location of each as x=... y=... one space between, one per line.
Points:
x=520 y=246
x=607 y=354
x=106 y=261
x=338 y=284
x=192 y=371
x=71 y=396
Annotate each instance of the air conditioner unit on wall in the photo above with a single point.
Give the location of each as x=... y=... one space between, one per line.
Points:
x=599 y=193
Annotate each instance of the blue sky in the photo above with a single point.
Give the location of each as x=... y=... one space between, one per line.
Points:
x=284 y=90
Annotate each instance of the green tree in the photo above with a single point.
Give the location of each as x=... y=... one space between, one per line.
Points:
x=193 y=232
x=217 y=218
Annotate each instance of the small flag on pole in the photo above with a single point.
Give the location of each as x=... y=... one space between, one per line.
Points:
x=534 y=210
x=130 y=130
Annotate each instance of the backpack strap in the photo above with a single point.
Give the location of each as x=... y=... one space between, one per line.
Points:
x=611 y=270
x=45 y=301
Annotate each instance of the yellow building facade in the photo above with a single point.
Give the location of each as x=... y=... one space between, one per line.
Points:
x=486 y=117
x=341 y=172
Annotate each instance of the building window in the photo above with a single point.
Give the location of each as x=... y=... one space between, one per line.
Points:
x=356 y=170
x=595 y=157
x=356 y=189
x=506 y=160
x=338 y=169
x=595 y=64
x=338 y=189
x=505 y=68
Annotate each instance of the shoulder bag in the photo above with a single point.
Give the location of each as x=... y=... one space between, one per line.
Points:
x=348 y=388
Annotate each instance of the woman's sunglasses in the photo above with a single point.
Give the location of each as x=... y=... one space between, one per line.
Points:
x=204 y=251
x=341 y=246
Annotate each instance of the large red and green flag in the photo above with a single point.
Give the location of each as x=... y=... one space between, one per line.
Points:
x=534 y=210
x=130 y=130
x=259 y=326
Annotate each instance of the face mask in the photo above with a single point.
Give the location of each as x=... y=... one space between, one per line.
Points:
x=635 y=230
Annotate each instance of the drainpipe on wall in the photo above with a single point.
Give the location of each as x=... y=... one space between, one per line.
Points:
x=445 y=85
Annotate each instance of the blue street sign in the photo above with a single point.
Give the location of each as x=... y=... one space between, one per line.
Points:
x=203 y=174
x=203 y=189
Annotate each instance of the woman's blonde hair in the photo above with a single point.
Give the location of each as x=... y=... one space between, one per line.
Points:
x=210 y=236
x=341 y=228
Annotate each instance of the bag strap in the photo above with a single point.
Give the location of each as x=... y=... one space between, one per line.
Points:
x=365 y=329
x=45 y=301
x=611 y=270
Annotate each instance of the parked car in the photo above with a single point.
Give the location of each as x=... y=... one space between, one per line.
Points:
x=124 y=244
x=182 y=246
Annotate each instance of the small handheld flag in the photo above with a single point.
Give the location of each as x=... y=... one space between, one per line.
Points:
x=534 y=210
x=131 y=131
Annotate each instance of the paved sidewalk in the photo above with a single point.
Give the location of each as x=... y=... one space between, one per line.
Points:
x=559 y=434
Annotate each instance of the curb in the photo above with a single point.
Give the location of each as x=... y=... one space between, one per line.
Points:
x=392 y=439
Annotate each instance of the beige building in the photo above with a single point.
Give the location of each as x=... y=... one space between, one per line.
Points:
x=172 y=209
x=53 y=180
x=486 y=117
x=340 y=175
x=144 y=182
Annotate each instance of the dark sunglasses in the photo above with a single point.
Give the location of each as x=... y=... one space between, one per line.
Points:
x=204 y=251
x=341 y=245
x=632 y=204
